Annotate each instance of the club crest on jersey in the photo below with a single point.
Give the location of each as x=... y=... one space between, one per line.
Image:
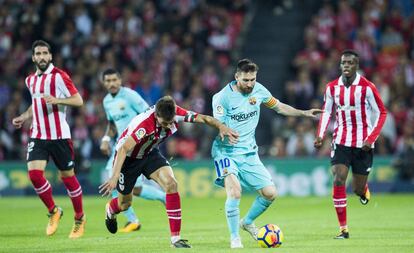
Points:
x=252 y=100
x=121 y=106
x=140 y=133
x=220 y=110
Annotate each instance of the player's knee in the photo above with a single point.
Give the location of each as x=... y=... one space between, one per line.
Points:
x=170 y=185
x=338 y=180
x=270 y=194
x=234 y=193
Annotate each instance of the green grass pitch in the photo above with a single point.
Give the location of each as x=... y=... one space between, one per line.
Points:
x=386 y=224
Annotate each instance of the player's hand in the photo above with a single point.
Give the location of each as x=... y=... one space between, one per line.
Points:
x=232 y=135
x=318 y=142
x=106 y=188
x=51 y=100
x=366 y=146
x=105 y=148
x=18 y=121
x=312 y=113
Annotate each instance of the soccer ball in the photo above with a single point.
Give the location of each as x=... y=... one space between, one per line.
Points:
x=270 y=236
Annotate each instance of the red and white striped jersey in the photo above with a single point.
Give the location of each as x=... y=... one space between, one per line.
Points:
x=49 y=121
x=354 y=105
x=148 y=134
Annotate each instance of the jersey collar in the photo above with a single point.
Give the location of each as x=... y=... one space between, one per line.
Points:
x=47 y=71
x=355 y=82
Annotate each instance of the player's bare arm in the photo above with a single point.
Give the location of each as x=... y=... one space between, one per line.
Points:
x=109 y=133
x=223 y=129
x=107 y=187
x=75 y=100
x=288 y=110
x=18 y=121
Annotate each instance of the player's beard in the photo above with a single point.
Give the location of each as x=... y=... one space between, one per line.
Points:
x=43 y=65
x=246 y=90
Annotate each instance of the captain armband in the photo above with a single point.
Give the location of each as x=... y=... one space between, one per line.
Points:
x=272 y=103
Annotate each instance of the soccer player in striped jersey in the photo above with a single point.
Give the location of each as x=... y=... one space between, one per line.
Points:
x=355 y=101
x=121 y=105
x=52 y=91
x=137 y=153
x=237 y=105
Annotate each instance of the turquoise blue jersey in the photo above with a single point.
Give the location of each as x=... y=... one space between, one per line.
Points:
x=241 y=113
x=123 y=107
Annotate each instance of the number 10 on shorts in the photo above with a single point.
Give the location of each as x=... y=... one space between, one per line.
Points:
x=222 y=166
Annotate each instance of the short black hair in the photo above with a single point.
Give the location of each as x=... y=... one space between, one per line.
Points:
x=350 y=52
x=110 y=71
x=41 y=43
x=246 y=65
x=165 y=108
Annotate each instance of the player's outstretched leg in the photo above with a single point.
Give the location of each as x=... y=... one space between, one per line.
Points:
x=133 y=223
x=259 y=205
x=111 y=210
x=173 y=206
x=75 y=193
x=150 y=192
x=44 y=191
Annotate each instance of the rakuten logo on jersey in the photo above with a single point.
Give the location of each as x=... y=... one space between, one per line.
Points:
x=243 y=116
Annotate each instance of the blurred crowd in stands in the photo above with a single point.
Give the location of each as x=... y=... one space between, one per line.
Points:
x=177 y=47
x=382 y=32
x=184 y=48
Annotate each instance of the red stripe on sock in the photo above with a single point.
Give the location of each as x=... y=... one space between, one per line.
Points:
x=114 y=206
x=339 y=192
x=38 y=180
x=72 y=185
x=173 y=206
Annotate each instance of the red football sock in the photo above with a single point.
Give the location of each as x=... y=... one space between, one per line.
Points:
x=173 y=207
x=75 y=193
x=114 y=207
x=42 y=188
x=339 y=199
x=366 y=188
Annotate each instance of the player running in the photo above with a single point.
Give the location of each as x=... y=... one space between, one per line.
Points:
x=52 y=91
x=355 y=100
x=137 y=153
x=237 y=105
x=121 y=105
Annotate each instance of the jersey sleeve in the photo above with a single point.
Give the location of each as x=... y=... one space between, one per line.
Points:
x=183 y=115
x=219 y=107
x=375 y=101
x=106 y=109
x=327 y=111
x=65 y=84
x=137 y=102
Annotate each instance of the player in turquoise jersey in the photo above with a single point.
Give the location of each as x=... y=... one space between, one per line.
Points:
x=237 y=105
x=121 y=104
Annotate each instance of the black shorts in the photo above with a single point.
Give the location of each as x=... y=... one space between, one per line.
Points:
x=133 y=168
x=358 y=159
x=61 y=152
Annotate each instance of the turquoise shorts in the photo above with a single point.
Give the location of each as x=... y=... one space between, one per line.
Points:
x=108 y=167
x=248 y=168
